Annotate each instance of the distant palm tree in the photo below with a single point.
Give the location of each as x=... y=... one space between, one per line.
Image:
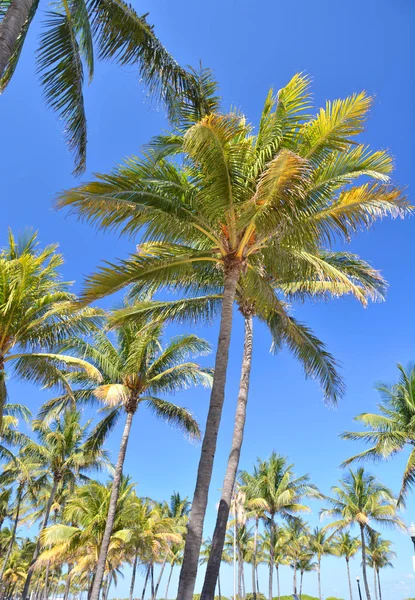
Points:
x=280 y=555
x=274 y=488
x=320 y=544
x=36 y=312
x=305 y=565
x=380 y=556
x=347 y=546
x=65 y=451
x=252 y=205
x=361 y=499
x=133 y=369
x=297 y=546
x=393 y=429
x=204 y=557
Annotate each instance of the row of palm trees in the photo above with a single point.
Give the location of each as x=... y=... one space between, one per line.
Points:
x=227 y=218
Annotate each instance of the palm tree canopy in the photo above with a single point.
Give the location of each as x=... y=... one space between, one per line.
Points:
x=392 y=429
x=345 y=545
x=379 y=552
x=363 y=500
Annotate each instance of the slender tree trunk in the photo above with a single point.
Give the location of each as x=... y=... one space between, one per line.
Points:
x=29 y=575
x=349 y=579
x=68 y=582
x=46 y=588
x=380 y=590
x=197 y=515
x=243 y=579
x=133 y=576
x=168 y=581
x=10 y=28
x=160 y=575
x=240 y=573
x=13 y=536
x=257 y=581
x=145 y=582
x=278 y=581
x=99 y=573
x=219 y=533
x=254 y=553
x=219 y=590
x=152 y=580
x=301 y=583
x=319 y=577
x=295 y=578
x=271 y=556
x=375 y=583
x=363 y=541
x=107 y=588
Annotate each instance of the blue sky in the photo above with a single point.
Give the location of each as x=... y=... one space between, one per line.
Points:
x=345 y=47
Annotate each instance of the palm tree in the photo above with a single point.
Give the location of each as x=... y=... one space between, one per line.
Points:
x=36 y=312
x=346 y=545
x=258 y=206
x=10 y=436
x=132 y=370
x=279 y=553
x=305 y=565
x=66 y=51
x=380 y=556
x=204 y=557
x=65 y=451
x=393 y=429
x=274 y=488
x=321 y=546
x=297 y=545
x=361 y=499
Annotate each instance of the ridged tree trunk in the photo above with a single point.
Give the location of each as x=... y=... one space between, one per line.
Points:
x=375 y=584
x=218 y=539
x=363 y=541
x=319 y=577
x=99 y=572
x=133 y=576
x=168 y=581
x=380 y=589
x=278 y=581
x=160 y=575
x=145 y=582
x=254 y=553
x=10 y=28
x=29 y=575
x=271 y=557
x=349 y=579
x=193 y=542
x=13 y=536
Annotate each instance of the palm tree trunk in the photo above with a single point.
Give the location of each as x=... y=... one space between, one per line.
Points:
x=349 y=579
x=193 y=542
x=319 y=577
x=152 y=580
x=145 y=582
x=29 y=575
x=133 y=576
x=362 y=538
x=46 y=588
x=219 y=533
x=257 y=581
x=278 y=581
x=68 y=582
x=10 y=28
x=271 y=557
x=375 y=583
x=254 y=559
x=240 y=573
x=107 y=588
x=99 y=573
x=380 y=590
x=301 y=583
x=160 y=575
x=243 y=580
x=219 y=590
x=295 y=578
x=168 y=581
x=13 y=536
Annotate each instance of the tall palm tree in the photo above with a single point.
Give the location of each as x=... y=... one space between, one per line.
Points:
x=279 y=552
x=393 y=430
x=258 y=206
x=36 y=312
x=297 y=545
x=361 y=500
x=305 y=565
x=346 y=546
x=321 y=545
x=133 y=369
x=66 y=451
x=11 y=438
x=72 y=34
x=380 y=556
x=274 y=488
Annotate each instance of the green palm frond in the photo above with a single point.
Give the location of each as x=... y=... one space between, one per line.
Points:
x=174 y=415
x=61 y=75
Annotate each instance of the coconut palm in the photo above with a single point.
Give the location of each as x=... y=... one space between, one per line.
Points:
x=261 y=206
x=66 y=52
x=274 y=488
x=380 y=556
x=66 y=451
x=10 y=436
x=297 y=545
x=279 y=552
x=204 y=557
x=362 y=500
x=320 y=544
x=391 y=431
x=305 y=565
x=133 y=369
x=344 y=545
x=36 y=312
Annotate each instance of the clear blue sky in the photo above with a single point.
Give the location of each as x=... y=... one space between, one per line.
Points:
x=345 y=47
